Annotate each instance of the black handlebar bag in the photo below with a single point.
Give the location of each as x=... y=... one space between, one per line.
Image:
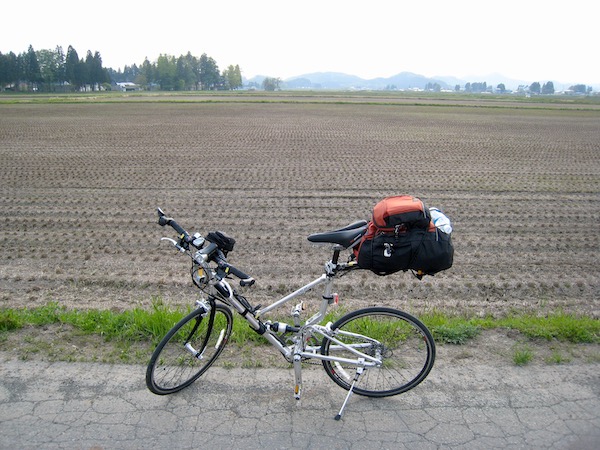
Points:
x=223 y=241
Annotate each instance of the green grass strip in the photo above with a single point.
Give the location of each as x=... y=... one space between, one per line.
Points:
x=152 y=324
x=134 y=325
x=558 y=325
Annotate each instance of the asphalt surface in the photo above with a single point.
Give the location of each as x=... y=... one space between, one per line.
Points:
x=96 y=406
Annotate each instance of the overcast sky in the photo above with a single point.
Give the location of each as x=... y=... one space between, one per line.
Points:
x=526 y=40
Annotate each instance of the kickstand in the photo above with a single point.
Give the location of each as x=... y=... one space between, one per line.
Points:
x=359 y=371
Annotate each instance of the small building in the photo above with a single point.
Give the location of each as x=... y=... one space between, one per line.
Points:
x=127 y=86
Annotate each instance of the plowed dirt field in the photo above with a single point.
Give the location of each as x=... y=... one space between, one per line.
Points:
x=80 y=182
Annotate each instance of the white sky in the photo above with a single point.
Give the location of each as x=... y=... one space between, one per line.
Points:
x=526 y=40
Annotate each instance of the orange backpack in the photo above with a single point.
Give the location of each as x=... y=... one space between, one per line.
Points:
x=400 y=213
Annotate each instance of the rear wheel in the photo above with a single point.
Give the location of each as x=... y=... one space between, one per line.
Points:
x=402 y=343
x=189 y=349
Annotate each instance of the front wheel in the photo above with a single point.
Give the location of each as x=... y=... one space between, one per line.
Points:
x=189 y=349
x=402 y=343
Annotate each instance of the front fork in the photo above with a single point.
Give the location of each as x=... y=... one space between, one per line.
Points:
x=207 y=308
x=328 y=299
x=297 y=362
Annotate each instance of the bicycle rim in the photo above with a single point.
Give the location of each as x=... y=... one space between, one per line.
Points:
x=403 y=343
x=188 y=349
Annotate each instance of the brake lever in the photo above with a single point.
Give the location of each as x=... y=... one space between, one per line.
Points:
x=174 y=242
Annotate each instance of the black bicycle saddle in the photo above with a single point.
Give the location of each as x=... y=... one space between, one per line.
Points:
x=347 y=237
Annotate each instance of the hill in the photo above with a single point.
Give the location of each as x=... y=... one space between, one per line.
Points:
x=402 y=80
x=335 y=80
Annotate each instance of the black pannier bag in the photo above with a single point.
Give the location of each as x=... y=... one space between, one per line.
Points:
x=412 y=245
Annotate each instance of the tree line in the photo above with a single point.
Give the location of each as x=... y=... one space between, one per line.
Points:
x=186 y=72
x=53 y=70
x=534 y=88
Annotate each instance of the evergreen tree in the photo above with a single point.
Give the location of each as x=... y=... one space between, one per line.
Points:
x=11 y=69
x=233 y=77
x=238 y=77
x=534 y=87
x=146 y=74
x=5 y=71
x=579 y=88
x=60 y=60
x=210 y=78
x=193 y=65
x=31 y=69
x=186 y=79
x=435 y=87
x=89 y=70
x=548 y=88
x=73 y=70
x=271 y=84
x=96 y=75
x=166 y=69
x=49 y=68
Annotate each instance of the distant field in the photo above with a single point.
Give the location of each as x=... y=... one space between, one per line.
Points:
x=81 y=178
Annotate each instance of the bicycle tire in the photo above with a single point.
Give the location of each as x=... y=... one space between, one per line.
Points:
x=405 y=344
x=173 y=366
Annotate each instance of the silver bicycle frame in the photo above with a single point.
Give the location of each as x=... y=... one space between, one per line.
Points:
x=291 y=351
x=303 y=290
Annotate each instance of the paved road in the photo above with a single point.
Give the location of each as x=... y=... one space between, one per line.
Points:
x=96 y=406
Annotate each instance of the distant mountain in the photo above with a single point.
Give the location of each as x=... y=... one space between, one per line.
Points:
x=451 y=81
x=325 y=80
x=255 y=81
x=408 y=80
x=403 y=80
x=335 y=80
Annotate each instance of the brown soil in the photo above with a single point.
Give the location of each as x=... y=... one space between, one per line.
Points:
x=80 y=184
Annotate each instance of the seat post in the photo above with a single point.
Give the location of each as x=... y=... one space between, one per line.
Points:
x=336 y=254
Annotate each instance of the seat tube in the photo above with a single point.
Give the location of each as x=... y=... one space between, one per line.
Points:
x=328 y=291
x=327 y=297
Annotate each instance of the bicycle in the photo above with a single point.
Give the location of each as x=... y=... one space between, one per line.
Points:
x=374 y=351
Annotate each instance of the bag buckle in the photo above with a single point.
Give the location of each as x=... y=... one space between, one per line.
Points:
x=400 y=228
x=389 y=249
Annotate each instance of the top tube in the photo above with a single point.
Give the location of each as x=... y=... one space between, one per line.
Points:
x=303 y=290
